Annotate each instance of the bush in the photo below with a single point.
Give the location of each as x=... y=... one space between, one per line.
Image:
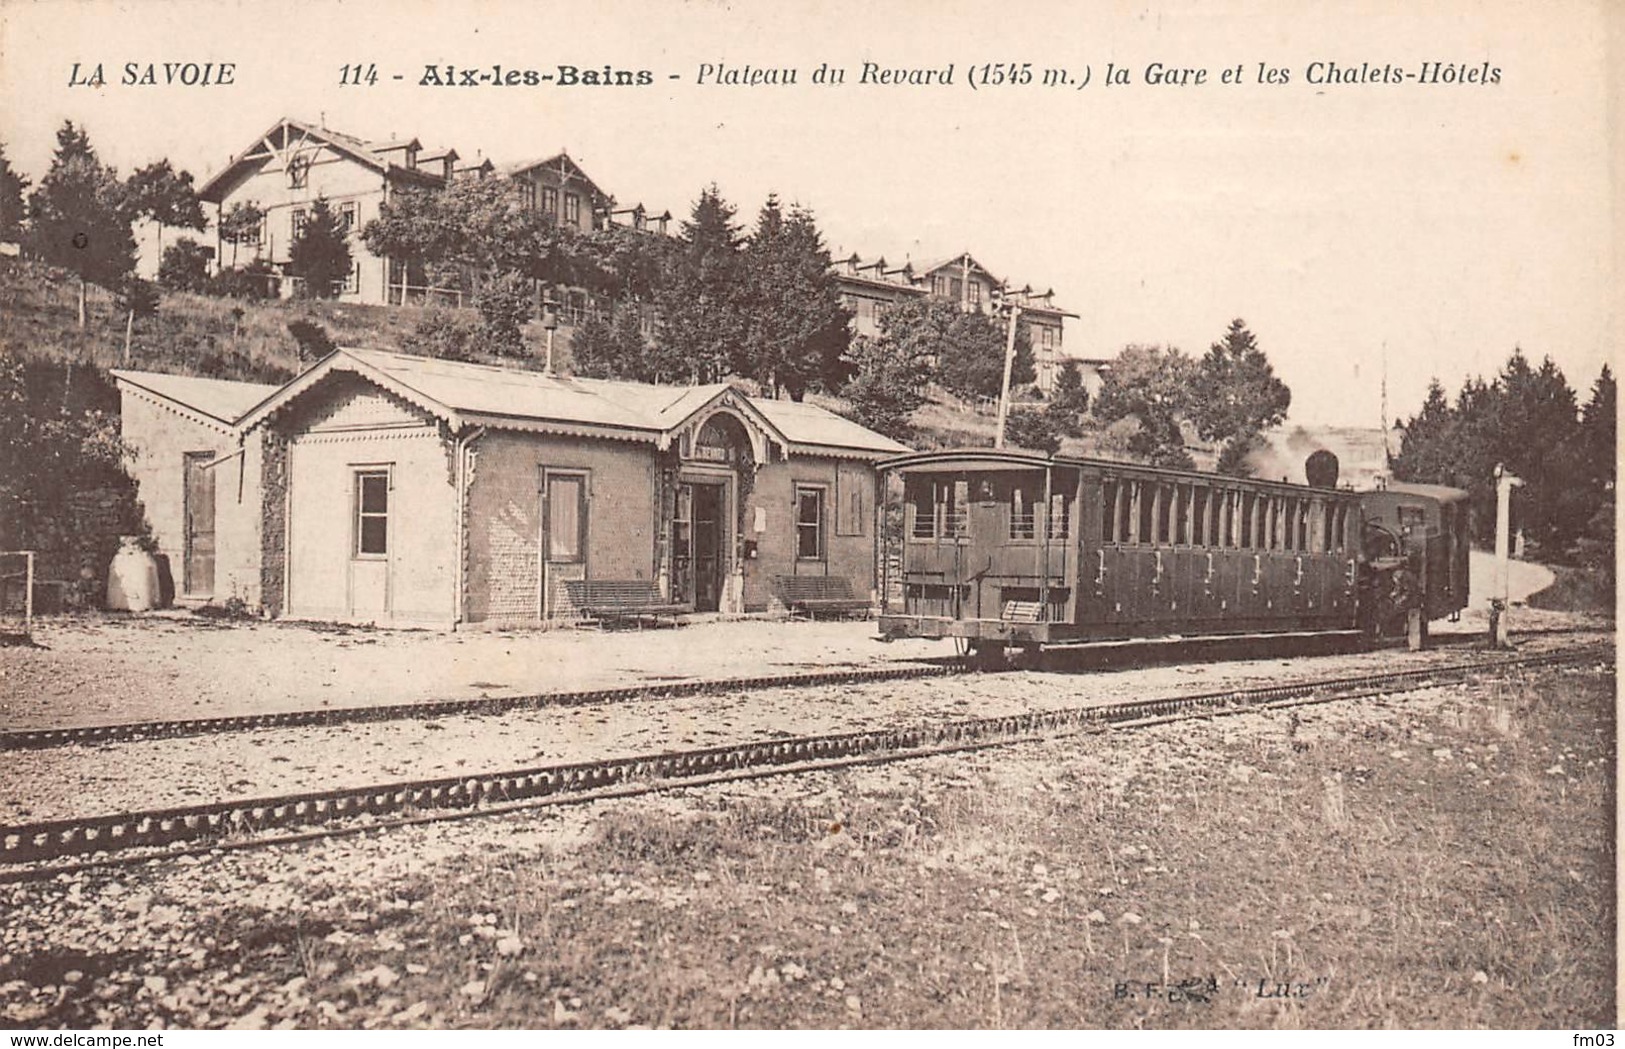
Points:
x=255 y=282
x=314 y=342
x=449 y=335
x=185 y=267
x=138 y=296
x=504 y=304
x=1034 y=430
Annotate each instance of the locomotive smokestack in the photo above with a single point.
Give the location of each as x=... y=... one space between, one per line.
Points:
x=1320 y=469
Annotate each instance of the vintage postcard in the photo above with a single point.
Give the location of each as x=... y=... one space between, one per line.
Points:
x=807 y=515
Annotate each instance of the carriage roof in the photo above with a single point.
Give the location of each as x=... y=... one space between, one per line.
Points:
x=955 y=460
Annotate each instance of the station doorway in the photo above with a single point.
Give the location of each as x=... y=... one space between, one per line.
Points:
x=699 y=534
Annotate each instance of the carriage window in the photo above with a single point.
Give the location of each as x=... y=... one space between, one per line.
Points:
x=1125 y=512
x=1200 y=536
x=1303 y=526
x=1220 y=532
x=1108 y=511
x=939 y=509
x=957 y=519
x=1145 y=496
x=1249 y=520
x=1182 y=513
x=924 y=507
x=1023 y=524
x=1289 y=517
x=1059 y=517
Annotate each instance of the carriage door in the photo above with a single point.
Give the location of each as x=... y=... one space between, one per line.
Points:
x=198 y=552
x=564 y=536
x=989 y=540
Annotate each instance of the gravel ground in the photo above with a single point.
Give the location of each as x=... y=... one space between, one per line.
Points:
x=105 y=669
x=112 y=668
x=65 y=782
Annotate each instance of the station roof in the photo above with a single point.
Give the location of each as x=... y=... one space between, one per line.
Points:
x=222 y=400
x=464 y=394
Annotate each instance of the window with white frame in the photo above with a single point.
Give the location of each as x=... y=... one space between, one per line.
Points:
x=809 y=523
x=572 y=208
x=550 y=201
x=371 y=513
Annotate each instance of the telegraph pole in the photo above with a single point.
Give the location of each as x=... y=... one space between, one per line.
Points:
x=1504 y=483
x=1009 y=362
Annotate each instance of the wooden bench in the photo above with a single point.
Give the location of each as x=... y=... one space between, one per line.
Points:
x=615 y=600
x=1022 y=611
x=812 y=594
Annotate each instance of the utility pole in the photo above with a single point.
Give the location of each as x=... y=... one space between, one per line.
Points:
x=1504 y=483
x=1387 y=452
x=1009 y=361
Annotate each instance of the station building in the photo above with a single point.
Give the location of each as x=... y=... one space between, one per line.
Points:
x=400 y=490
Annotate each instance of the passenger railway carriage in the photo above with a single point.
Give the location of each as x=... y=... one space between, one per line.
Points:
x=1013 y=548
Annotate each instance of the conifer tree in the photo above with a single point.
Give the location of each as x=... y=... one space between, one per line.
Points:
x=796 y=328
x=320 y=252
x=77 y=218
x=703 y=327
x=12 y=185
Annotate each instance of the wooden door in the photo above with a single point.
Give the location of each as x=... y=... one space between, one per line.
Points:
x=708 y=531
x=371 y=547
x=564 y=537
x=199 y=538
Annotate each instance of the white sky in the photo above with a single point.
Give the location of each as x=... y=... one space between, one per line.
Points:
x=1450 y=222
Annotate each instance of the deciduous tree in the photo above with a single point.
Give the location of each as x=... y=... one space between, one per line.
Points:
x=1153 y=385
x=970 y=358
x=890 y=374
x=161 y=194
x=241 y=224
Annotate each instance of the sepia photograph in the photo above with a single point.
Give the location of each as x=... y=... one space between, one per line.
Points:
x=684 y=514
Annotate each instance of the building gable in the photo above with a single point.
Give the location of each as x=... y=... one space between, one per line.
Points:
x=293 y=147
x=354 y=403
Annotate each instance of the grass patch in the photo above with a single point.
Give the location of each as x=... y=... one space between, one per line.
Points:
x=1575 y=590
x=1442 y=860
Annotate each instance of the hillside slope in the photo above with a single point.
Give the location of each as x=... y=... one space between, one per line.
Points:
x=233 y=339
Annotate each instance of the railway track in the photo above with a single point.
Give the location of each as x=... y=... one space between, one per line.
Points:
x=247 y=823
x=135 y=731
x=129 y=732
